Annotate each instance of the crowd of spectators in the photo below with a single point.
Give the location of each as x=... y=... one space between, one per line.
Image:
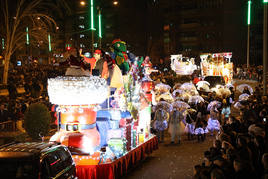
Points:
x=33 y=80
x=251 y=73
x=240 y=149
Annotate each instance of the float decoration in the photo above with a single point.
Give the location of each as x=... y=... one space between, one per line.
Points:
x=68 y=90
x=182 y=65
x=88 y=121
x=217 y=64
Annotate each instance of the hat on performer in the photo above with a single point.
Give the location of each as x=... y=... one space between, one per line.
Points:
x=98 y=52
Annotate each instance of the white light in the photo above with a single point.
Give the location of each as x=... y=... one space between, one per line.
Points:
x=87 y=145
x=80 y=110
x=70 y=119
x=69 y=90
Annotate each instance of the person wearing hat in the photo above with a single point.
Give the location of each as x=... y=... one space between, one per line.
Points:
x=76 y=67
x=98 y=64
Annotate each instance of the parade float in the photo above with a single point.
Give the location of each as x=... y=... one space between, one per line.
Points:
x=217 y=64
x=182 y=65
x=104 y=127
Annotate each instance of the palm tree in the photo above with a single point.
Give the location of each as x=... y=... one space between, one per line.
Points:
x=15 y=17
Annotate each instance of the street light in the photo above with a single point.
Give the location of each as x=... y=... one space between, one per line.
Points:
x=27 y=36
x=49 y=43
x=83 y=3
x=115 y=3
x=92 y=28
x=100 y=30
x=249 y=11
x=265 y=3
x=3 y=43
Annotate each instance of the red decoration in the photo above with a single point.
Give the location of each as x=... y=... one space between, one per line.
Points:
x=147 y=86
x=119 y=167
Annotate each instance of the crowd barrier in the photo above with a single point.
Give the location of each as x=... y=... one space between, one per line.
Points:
x=8 y=126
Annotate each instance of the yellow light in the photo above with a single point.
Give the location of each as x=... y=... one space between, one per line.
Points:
x=115 y=3
x=82 y=3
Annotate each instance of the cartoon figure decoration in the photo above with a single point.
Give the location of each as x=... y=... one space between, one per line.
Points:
x=147 y=69
x=147 y=86
x=120 y=55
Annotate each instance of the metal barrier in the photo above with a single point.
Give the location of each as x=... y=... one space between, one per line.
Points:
x=8 y=126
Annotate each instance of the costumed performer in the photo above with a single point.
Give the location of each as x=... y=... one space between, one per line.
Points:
x=175 y=124
x=160 y=123
x=76 y=66
x=213 y=122
x=189 y=127
x=98 y=64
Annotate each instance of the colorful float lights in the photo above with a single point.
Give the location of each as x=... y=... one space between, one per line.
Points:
x=96 y=134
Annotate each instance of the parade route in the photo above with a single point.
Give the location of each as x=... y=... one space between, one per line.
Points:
x=172 y=161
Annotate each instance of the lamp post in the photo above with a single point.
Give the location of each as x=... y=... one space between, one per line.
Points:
x=49 y=48
x=27 y=36
x=100 y=30
x=92 y=24
x=3 y=43
x=249 y=11
x=27 y=42
x=265 y=3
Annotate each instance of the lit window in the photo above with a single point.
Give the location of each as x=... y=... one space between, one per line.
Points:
x=81 y=26
x=82 y=36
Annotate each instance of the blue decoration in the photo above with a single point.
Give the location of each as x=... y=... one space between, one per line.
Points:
x=114 y=124
x=125 y=114
x=103 y=114
x=103 y=127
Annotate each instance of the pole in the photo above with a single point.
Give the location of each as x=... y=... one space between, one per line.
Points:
x=264 y=46
x=249 y=14
x=100 y=30
x=248 y=47
x=92 y=41
x=92 y=24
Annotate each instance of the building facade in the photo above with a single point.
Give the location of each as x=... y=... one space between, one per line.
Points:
x=193 y=27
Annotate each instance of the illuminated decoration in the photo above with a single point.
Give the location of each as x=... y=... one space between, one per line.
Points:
x=100 y=31
x=27 y=36
x=49 y=43
x=69 y=90
x=182 y=65
x=249 y=11
x=68 y=47
x=3 y=43
x=87 y=126
x=217 y=64
x=92 y=15
x=78 y=98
